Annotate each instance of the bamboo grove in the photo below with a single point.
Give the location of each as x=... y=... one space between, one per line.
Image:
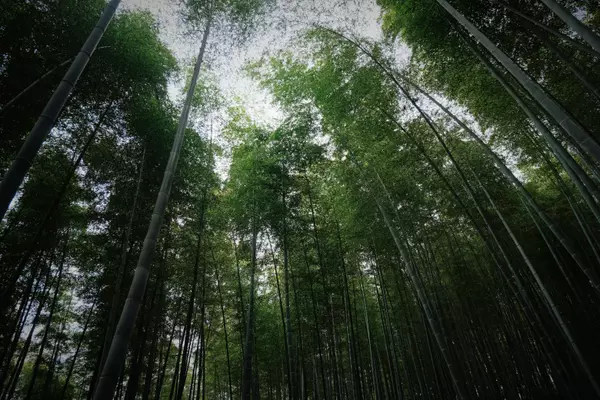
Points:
x=421 y=229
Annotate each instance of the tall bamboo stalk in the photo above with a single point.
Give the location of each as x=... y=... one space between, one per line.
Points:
x=20 y=166
x=120 y=342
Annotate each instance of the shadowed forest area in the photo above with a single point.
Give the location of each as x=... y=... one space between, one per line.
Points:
x=421 y=220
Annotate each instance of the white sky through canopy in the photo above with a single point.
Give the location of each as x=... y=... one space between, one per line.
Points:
x=285 y=21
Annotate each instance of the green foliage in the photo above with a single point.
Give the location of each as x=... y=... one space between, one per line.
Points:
x=314 y=190
x=240 y=16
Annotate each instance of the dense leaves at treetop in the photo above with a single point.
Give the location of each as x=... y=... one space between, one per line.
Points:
x=420 y=221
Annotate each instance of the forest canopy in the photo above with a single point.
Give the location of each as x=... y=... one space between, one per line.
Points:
x=417 y=217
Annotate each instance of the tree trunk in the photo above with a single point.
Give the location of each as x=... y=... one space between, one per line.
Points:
x=12 y=333
x=116 y=294
x=38 y=80
x=203 y=336
x=569 y=246
x=550 y=303
x=418 y=286
x=555 y=110
x=161 y=376
x=194 y=369
x=77 y=349
x=177 y=366
x=137 y=358
x=199 y=353
x=571 y=65
x=204 y=351
x=577 y=174
x=573 y=42
x=316 y=319
x=352 y=337
x=374 y=367
x=247 y=376
x=8 y=291
x=156 y=323
x=513 y=179
x=286 y=277
x=191 y=305
x=240 y=295
x=224 y=328
x=14 y=378
x=301 y=365
x=391 y=349
x=49 y=385
x=40 y=356
x=283 y=319
x=576 y=25
x=561 y=156
x=20 y=166
x=120 y=342
x=325 y=282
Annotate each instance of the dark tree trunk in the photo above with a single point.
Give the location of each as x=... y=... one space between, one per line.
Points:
x=224 y=328
x=77 y=349
x=247 y=376
x=191 y=306
x=120 y=276
x=40 y=356
x=120 y=342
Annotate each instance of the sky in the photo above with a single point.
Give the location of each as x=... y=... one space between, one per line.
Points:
x=284 y=22
x=226 y=61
